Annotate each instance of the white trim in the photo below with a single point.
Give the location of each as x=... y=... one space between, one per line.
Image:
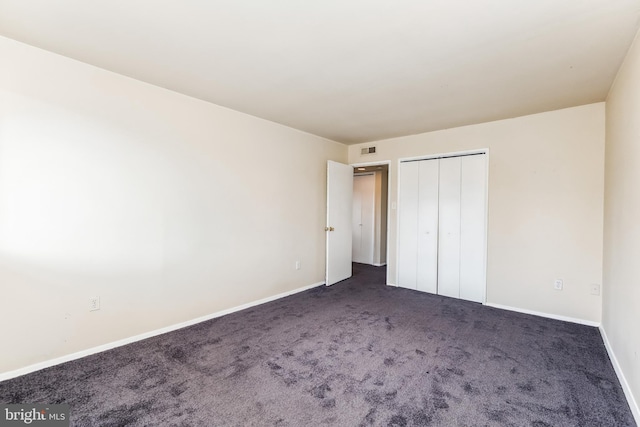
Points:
x=379 y=264
x=486 y=225
x=396 y=276
x=389 y=213
x=547 y=315
x=104 y=347
x=633 y=404
x=439 y=155
x=378 y=163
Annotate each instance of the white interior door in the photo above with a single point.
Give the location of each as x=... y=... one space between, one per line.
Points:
x=339 y=217
x=408 y=224
x=472 y=228
x=363 y=225
x=449 y=228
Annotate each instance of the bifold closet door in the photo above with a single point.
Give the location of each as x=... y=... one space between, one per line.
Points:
x=449 y=227
x=418 y=234
x=427 y=254
x=442 y=220
x=408 y=224
x=472 y=228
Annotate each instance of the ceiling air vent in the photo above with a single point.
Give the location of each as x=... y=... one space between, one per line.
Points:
x=368 y=150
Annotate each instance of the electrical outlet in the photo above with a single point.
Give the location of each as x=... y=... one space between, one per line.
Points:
x=557 y=284
x=94 y=303
x=595 y=289
x=298 y=265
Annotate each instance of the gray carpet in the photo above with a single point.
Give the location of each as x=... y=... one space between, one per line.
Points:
x=358 y=353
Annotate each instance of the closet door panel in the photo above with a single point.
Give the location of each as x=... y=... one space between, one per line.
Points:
x=408 y=224
x=472 y=228
x=427 y=254
x=449 y=228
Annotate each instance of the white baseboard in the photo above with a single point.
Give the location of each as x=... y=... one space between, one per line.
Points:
x=633 y=404
x=547 y=315
x=104 y=347
x=379 y=264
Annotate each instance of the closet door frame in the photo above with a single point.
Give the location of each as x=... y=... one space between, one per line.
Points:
x=484 y=151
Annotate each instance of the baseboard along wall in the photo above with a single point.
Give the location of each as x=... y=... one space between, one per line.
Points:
x=547 y=315
x=633 y=403
x=83 y=353
x=80 y=354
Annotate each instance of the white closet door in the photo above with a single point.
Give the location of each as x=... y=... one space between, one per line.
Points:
x=449 y=228
x=427 y=260
x=364 y=190
x=408 y=224
x=472 y=228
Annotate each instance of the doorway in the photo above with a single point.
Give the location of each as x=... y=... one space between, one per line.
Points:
x=339 y=225
x=370 y=213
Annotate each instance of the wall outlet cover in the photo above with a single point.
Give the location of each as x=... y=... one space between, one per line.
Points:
x=94 y=303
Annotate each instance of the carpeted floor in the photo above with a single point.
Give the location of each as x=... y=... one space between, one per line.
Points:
x=358 y=353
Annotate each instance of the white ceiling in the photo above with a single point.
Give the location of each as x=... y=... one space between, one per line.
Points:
x=348 y=70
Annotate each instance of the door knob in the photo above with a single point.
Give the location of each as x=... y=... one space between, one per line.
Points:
x=329 y=229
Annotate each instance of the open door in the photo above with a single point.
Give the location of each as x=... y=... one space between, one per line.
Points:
x=338 y=229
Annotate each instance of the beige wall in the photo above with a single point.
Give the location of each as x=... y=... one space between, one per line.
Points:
x=621 y=296
x=546 y=177
x=167 y=207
